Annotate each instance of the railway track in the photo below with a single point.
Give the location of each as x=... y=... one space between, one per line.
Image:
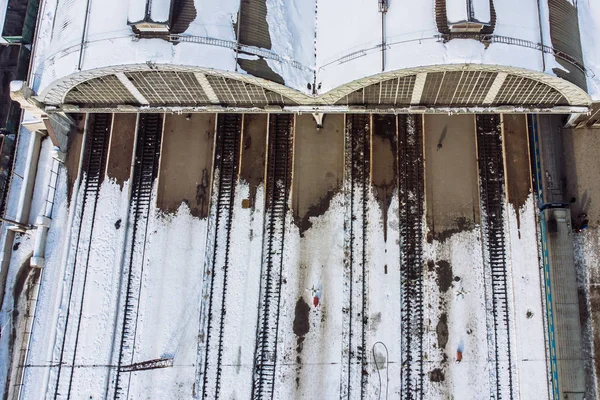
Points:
x=227 y=158
x=93 y=169
x=491 y=173
x=410 y=130
x=147 y=156
x=357 y=187
x=278 y=183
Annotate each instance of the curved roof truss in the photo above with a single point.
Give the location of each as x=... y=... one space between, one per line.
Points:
x=443 y=86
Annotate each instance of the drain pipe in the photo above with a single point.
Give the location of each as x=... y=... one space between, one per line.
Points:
x=541 y=35
x=237 y=46
x=383 y=8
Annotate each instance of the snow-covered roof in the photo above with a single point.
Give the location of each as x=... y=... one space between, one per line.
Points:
x=481 y=10
x=160 y=10
x=589 y=26
x=456 y=10
x=331 y=45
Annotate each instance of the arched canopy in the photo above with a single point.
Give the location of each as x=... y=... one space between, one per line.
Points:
x=447 y=86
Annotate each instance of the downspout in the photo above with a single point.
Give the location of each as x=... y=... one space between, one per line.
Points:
x=541 y=35
x=382 y=41
x=237 y=46
x=84 y=33
x=383 y=8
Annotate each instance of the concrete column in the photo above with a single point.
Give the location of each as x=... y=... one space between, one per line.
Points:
x=25 y=197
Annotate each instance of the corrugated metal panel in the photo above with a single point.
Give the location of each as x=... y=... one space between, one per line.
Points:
x=564 y=33
x=440 y=16
x=261 y=69
x=183 y=15
x=254 y=29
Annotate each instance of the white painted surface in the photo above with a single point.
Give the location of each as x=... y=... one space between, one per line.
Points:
x=160 y=10
x=456 y=11
x=589 y=25
x=137 y=10
x=481 y=11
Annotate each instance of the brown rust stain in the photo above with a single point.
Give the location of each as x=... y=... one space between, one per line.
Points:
x=518 y=176
x=384 y=162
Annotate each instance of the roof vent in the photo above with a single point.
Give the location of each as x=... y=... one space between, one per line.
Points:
x=151 y=15
x=468 y=15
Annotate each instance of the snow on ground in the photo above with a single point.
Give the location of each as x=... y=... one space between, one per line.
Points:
x=242 y=295
x=589 y=27
x=167 y=324
x=383 y=344
x=455 y=319
x=587 y=264
x=97 y=322
x=530 y=357
x=101 y=292
x=310 y=330
x=311 y=321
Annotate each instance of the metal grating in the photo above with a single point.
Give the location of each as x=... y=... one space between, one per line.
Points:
x=168 y=87
x=103 y=90
x=233 y=92
x=457 y=87
x=525 y=91
x=393 y=92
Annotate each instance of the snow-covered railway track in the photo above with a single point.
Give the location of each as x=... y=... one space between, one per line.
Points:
x=227 y=159
x=491 y=175
x=147 y=156
x=94 y=164
x=357 y=188
x=278 y=183
x=411 y=264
